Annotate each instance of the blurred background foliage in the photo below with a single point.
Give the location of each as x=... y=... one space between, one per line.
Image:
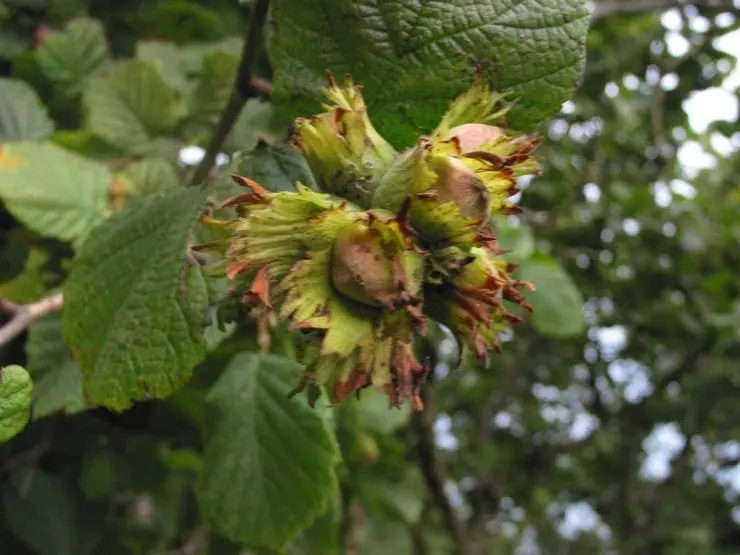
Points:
x=610 y=423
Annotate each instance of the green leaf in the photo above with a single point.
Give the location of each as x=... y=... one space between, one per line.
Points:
x=70 y=57
x=375 y=415
x=150 y=175
x=268 y=468
x=57 y=378
x=557 y=302
x=168 y=59
x=413 y=58
x=276 y=168
x=402 y=499
x=132 y=106
x=31 y=285
x=379 y=536
x=14 y=252
x=323 y=535
x=22 y=115
x=518 y=239
x=258 y=120
x=42 y=511
x=214 y=87
x=98 y=476
x=143 y=335
x=52 y=191
x=15 y=400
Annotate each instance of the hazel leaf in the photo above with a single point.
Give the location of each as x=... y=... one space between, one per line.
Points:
x=15 y=400
x=264 y=450
x=143 y=334
x=413 y=57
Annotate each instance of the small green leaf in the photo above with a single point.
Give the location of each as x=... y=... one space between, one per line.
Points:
x=70 y=57
x=414 y=57
x=375 y=415
x=276 y=168
x=98 y=477
x=268 y=468
x=557 y=302
x=15 y=400
x=42 y=511
x=399 y=499
x=22 y=115
x=31 y=285
x=52 y=191
x=169 y=60
x=150 y=175
x=132 y=106
x=258 y=120
x=57 y=378
x=214 y=87
x=143 y=335
x=379 y=536
x=518 y=239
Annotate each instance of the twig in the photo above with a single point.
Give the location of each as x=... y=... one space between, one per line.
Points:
x=422 y=423
x=245 y=87
x=25 y=315
x=613 y=7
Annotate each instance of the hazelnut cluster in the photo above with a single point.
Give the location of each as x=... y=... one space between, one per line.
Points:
x=390 y=240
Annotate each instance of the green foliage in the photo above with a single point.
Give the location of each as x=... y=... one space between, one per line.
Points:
x=65 y=203
x=22 y=116
x=70 y=57
x=42 y=511
x=131 y=107
x=156 y=302
x=412 y=59
x=557 y=303
x=264 y=451
x=15 y=400
x=57 y=378
x=632 y=249
x=279 y=167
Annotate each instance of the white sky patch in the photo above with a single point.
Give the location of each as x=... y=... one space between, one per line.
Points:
x=681 y=187
x=672 y=20
x=443 y=436
x=715 y=103
x=633 y=377
x=721 y=144
x=580 y=517
x=710 y=105
x=662 y=194
x=694 y=158
x=662 y=446
x=631 y=227
x=191 y=155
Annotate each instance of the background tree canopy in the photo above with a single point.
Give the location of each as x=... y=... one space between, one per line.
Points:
x=610 y=422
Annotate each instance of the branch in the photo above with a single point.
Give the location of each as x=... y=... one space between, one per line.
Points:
x=23 y=316
x=422 y=423
x=613 y=7
x=245 y=87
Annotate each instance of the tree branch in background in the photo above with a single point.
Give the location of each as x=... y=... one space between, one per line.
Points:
x=24 y=315
x=614 y=7
x=244 y=88
x=423 y=426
